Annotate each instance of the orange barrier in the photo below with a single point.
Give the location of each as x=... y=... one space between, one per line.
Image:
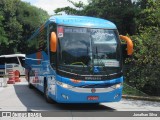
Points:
x=11 y=77
x=17 y=79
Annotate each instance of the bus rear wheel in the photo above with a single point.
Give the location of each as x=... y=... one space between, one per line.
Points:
x=29 y=83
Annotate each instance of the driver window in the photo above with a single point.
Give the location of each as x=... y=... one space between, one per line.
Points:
x=52 y=28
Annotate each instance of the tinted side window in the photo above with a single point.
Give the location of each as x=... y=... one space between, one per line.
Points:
x=37 y=42
x=42 y=40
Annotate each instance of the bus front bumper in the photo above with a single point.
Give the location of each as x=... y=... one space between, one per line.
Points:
x=88 y=95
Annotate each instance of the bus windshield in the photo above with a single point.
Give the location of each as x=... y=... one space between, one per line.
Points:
x=88 y=51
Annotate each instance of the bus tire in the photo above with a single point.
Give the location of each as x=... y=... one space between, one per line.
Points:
x=92 y=103
x=48 y=99
x=29 y=84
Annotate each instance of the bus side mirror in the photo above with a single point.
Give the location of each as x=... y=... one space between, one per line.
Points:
x=53 y=42
x=129 y=45
x=124 y=51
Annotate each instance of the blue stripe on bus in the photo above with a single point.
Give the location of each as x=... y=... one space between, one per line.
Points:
x=84 y=82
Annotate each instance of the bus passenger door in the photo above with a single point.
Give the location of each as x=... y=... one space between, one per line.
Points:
x=53 y=56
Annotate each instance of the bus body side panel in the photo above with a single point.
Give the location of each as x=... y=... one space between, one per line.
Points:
x=38 y=72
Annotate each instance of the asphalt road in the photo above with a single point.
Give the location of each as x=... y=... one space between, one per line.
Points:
x=19 y=97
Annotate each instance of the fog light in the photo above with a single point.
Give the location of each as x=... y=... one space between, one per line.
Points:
x=64 y=85
x=118 y=85
x=65 y=96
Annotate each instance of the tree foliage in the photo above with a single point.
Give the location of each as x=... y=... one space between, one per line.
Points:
x=144 y=73
x=121 y=12
x=18 y=20
x=77 y=10
x=3 y=35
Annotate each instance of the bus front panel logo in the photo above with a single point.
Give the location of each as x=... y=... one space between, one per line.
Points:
x=93 y=90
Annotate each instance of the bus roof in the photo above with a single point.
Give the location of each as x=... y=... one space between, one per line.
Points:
x=82 y=21
x=77 y=21
x=13 y=55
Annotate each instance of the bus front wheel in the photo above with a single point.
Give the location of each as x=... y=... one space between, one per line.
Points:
x=48 y=99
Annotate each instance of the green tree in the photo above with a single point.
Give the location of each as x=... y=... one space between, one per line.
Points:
x=77 y=10
x=149 y=14
x=18 y=20
x=3 y=36
x=121 y=12
x=145 y=64
x=30 y=18
x=8 y=9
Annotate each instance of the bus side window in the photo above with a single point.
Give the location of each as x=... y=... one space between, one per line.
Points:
x=42 y=40
x=52 y=28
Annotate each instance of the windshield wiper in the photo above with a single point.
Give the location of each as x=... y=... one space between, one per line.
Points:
x=90 y=60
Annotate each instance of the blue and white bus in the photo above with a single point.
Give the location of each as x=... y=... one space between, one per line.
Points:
x=13 y=62
x=77 y=59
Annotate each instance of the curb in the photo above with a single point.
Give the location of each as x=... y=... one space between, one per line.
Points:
x=151 y=98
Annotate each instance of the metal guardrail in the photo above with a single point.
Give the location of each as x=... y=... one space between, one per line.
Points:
x=3 y=79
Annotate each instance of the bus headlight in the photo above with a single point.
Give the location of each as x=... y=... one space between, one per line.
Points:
x=118 y=85
x=64 y=85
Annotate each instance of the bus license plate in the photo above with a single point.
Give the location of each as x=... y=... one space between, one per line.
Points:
x=92 y=97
